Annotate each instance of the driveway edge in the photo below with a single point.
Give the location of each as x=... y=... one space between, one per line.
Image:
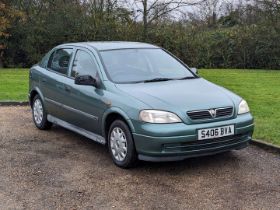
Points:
x=14 y=103
x=266 y=146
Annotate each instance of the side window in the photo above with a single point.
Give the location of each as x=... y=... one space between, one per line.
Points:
x=44 y=62
x=83 y=65
x=59 y=60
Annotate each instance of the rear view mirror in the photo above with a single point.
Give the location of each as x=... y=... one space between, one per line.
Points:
x=194 y=70
x=85 y=80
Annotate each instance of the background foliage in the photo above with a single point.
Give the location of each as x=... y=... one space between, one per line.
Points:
x=239 y=36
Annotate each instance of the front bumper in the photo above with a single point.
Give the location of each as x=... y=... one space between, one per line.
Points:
x=165 y=145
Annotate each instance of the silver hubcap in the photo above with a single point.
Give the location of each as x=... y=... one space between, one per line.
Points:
x=38 y=111
x=118 y=144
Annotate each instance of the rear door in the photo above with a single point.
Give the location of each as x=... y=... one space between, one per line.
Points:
x=86 y=102
x=53 y=82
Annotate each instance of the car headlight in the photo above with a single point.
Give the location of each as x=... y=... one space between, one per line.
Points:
x=157 y=116
x=243 y=107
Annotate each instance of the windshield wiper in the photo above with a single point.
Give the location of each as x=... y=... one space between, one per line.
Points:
x=157 y=80
x=187 y=78
x=162 y=79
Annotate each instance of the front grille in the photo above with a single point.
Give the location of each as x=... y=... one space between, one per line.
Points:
x=196 y=146
x=224 y=112
x=199 y=115
x=211 y=113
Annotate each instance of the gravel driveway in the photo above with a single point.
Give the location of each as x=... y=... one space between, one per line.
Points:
x=58 y=169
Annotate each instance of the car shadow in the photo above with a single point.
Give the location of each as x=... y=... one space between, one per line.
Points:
x=194 y=162
x=216 y=161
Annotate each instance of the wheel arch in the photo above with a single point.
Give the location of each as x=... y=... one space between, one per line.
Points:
x=33 y=93
x=111 y=115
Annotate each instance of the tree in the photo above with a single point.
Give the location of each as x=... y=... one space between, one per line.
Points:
x=218 y=33
x=7 y=16
x=153 y=10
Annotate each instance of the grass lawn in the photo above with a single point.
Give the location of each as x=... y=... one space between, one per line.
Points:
x=260 y=88
x=13 y=84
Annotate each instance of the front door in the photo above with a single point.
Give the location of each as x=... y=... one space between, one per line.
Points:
x=84 y=102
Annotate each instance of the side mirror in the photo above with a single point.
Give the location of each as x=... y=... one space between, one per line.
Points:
x=86 y=80
x=194 y=70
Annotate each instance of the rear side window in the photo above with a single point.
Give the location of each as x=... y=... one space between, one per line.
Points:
x=59 y=60
x=83 y=65
x=44 y=62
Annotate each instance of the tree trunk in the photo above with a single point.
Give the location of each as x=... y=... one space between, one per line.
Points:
x=145 y=20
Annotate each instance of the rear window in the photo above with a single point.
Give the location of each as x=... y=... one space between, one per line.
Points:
x=44 y=62
x=59 y=60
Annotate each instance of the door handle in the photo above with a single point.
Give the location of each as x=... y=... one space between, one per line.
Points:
x=60 y=86
x=44 y=80
x=67 y=89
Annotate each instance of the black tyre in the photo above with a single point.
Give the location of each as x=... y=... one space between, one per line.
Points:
x=39 y=114
x=121 y=145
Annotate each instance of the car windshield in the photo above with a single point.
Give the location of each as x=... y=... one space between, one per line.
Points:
x=143 y=65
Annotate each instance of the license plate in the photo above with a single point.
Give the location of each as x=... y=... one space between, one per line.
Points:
x=212 y=133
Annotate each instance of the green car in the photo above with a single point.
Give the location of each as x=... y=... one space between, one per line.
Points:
x=139 y=100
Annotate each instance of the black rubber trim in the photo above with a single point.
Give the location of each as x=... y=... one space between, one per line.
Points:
x=209 y=151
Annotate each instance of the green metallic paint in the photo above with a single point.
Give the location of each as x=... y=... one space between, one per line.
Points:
x=127 y=100
x=120 y=112
x=195 y=94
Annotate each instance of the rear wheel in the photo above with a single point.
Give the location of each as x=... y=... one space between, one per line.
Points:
x=39 y=114
x=121 y=145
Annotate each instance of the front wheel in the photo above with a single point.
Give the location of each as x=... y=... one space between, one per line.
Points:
x=121 y=145
x=39 y=114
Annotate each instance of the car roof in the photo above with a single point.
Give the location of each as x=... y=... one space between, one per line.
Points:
x=111 y=45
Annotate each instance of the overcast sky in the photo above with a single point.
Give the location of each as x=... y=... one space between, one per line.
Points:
x=186 y=9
